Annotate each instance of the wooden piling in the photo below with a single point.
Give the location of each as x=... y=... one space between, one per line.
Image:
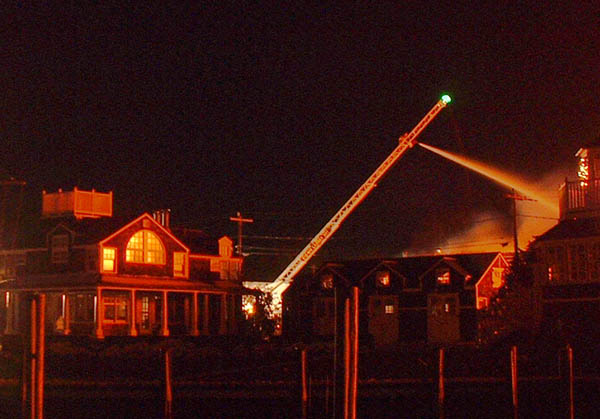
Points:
x=514 y=380
x=304 y=384
x=40 y=353
x=168 y=387
x=32 y=356
x=354 y=353
x=347 y=358
x=441 y=385
x=571 y=379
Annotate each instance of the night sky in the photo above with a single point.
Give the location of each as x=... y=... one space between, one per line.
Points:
x=282 y=111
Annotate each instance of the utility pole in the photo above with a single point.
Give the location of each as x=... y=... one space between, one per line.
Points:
x=240 y=220
x=516 y=197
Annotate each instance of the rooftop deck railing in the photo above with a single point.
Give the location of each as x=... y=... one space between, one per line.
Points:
x=579 y=198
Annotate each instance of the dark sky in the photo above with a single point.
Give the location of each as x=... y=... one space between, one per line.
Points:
x=282 y=111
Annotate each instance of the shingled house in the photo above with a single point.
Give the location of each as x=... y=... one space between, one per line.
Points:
x=104 y=276
x=567 y=268
x=426 y=298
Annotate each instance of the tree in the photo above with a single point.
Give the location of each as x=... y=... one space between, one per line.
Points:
x=511 y=312
x=261 y=322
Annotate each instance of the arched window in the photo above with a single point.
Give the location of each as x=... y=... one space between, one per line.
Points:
x=145 y=247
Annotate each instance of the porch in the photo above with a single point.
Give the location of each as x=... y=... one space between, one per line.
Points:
x=129 y=312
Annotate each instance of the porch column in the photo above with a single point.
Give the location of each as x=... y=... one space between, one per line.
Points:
x=205 y=329
x=164 y=331
x=223 y=314
x=132 y=329
x=195 y=331
x=67 y=315
x=9 y=302
x=99 y=314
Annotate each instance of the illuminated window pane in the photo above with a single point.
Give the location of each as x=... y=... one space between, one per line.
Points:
x=443 y=276
x=121 y=310
x=389 y=309
x=108 y=259
x=327 y=281
x=383 y=278
x=497 y=277
x=179 y=264
x=145 y=247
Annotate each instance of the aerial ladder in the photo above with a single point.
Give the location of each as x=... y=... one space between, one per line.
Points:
x=406 y=141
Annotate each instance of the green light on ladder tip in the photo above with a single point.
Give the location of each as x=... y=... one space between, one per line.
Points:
x=446 y=99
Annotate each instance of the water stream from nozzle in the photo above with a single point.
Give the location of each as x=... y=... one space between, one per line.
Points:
x=496 y=175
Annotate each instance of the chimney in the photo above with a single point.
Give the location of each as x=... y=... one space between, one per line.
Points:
x=163 y=216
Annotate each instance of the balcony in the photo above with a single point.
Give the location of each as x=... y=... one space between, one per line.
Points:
x=579 y=200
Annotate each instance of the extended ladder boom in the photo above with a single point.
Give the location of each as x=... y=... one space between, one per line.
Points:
x=405 y=142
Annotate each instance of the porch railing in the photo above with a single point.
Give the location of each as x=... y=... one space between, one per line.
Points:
x=577 y=197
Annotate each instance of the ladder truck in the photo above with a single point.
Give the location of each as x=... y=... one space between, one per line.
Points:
x=406 y=141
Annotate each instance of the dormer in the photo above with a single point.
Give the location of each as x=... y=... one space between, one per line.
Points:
x=144 y=247
x=59 y=241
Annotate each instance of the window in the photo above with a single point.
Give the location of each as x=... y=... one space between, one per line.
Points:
x=556 y=259
x=389 y=308
x=482 y=302
x=497 y=277
x=578 y=263
x=327 y=281
x=145 y=320
x=179 y=264
x=59 y=248
x=145 y=247
x=383 y=278
x=450 y=305
x=443 y=276
x=109 y=255
x=82 y=307
x=115 y=309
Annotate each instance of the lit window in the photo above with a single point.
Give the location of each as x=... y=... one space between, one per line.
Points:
x=145 y=247
x=482 y=302
x=389 y=309
x=383 y=278
x=145 y=312
x=449 y=306
x=59 y=248
x=443 y=276
x=179 y=264
x=497 y=277
x=108 y=259
x=327 y=281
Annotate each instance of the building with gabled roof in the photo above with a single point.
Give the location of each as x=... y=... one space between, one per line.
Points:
x=425 y=298
x=103 y=276
x=567 y=256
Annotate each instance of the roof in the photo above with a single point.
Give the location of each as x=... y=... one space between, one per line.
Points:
x=572 y=229
x=86 y=230
x=93 y=230
x=474 y=264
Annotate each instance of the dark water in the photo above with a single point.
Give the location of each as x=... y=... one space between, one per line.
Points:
x=536 y=400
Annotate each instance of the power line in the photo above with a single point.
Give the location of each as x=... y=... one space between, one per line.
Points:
x=277 y=237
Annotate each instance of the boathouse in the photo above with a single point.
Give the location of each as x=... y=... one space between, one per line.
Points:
x=426 y=298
